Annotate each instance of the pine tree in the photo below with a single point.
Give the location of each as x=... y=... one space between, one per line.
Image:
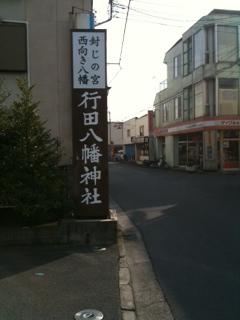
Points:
x=34 y=182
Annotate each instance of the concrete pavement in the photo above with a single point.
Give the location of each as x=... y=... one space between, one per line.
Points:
x=48 y=282
x=55 y=282
x=141 y=295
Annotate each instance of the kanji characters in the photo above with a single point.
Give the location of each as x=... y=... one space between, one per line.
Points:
x=93 y=134
x=93 y=175
x=90 y=100
x=90 y=118
x=91 y=197
x=91 y=153
x=89 y=54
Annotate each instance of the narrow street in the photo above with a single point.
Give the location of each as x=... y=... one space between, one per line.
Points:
x=190 y=224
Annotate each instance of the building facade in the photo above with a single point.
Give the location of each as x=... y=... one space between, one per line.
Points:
x=197 y=116
x=137 y=134
x=35 y=44
x=115 y=138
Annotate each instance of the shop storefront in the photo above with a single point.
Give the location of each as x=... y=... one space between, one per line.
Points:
x=209 y=144
x=141 y=147
x=229 y=145
x=190 y=149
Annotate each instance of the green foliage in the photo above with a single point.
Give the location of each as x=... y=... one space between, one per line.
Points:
x=30 y=179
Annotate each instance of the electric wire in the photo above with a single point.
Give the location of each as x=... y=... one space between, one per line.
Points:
x=124 y=32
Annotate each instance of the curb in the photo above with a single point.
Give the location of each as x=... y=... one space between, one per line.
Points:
x=140 y=294
x=128 y=310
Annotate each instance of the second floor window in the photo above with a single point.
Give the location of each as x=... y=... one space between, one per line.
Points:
x=187 y=103
x=199 y=49
x=165 y=113
x=187 y=56
x=227 y=43
x=128 y=133
x=176 y=66
x=141 y=131
x=199 y=105
x=228 y=96
x=178 y=108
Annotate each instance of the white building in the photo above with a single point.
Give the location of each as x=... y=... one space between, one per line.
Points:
x=136 y=135
x=197 y=116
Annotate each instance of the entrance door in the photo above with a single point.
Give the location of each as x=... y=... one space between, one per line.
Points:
x=230 y=147
x=231 y=154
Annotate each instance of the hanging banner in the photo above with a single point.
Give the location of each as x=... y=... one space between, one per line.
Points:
x=89 y=110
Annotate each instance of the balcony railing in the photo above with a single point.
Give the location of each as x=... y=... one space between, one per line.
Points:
x=163 y=85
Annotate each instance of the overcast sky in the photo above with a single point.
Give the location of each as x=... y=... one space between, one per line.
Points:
x=153 y=26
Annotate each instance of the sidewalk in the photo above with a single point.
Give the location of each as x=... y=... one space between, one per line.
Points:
x=54 y=282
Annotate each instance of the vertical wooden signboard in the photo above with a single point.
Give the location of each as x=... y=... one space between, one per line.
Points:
x=89 y=110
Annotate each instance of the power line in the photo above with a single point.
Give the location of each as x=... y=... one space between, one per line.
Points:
x=116 y=74
x=124 y=32
x=153 y=15
x=136 y=18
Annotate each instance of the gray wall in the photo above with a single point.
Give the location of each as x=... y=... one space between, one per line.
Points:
x=49 y=23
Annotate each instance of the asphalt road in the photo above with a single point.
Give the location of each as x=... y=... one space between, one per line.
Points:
x=190 y=223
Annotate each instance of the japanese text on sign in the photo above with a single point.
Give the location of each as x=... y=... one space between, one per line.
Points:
x=90 y=152
x=89 y=60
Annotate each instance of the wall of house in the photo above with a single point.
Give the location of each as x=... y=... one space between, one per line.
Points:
x=49 y=69
x=142 y=122
x=169 y=150
x=210 y=161
x=129 y=130
x=115 y=133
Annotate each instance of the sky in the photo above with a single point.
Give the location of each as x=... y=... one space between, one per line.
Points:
x=135 y=57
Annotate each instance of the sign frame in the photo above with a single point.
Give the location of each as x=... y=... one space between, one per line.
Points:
x=89 y=130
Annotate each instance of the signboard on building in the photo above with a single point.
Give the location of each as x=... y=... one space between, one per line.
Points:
x=89 y=109
x=201 y=125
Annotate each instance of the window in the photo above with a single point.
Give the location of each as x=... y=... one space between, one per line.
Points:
x=187 y=104
x=199 y=105
x=165 y=113
x=13 y=53
x=209 y=43
x=187 y=56
x=141 y=131
x=128 y=133
x=176 y=66
x=178 y=108
x=227 y=43
x=228 y=96
x=158 y=118
x=199 y=49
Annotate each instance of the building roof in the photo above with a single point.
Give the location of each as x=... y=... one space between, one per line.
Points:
x=223 y=11
x=214 y=11
x=174 y=45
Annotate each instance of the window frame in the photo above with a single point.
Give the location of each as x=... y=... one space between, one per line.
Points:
x=188 y=106
x=178 y=108
x=177 y=66
x=237 y=43
x=187 y=56
x=23 y=63
x=202 y=33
